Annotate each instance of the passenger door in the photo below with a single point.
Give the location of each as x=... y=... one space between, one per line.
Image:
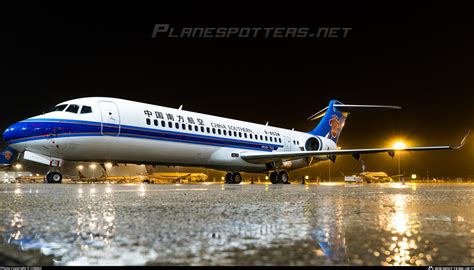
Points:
x=287 y=143
x=110 y=118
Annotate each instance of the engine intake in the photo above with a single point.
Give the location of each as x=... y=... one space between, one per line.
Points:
x=313 y=144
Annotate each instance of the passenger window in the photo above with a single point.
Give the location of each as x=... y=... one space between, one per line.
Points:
x=196 y=128
x=176 y=125
x=208 y=130
x=266 y=138
x=235 y=133
x=183 y=126
x=148 y=121
x=271 y=139
x=251 y=137
x=219 y=131
x=202 y=129
x=245 y=135
x=170 y=125
x=240 y=134
x=73 y=108
x=279 y=139
x=155 y=122
x=213 y=131
x=190 y=127
x=225 y=132
x=163 y=124
x=86 y=109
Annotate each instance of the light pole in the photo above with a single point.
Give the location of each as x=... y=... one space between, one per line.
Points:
x=93 y=166
x=329 y=170
x=17 y=167
x=399 y=145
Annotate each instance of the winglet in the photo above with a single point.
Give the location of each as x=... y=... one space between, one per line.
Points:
x=463 y=141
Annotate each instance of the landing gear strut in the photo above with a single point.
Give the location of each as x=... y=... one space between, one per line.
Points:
x=233 y=178
x=280 y=177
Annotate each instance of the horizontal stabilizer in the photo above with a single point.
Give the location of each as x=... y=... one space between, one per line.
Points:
x=350 y=108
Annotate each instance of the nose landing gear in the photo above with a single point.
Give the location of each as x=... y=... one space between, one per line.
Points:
x=233 y=178
x=54 y=177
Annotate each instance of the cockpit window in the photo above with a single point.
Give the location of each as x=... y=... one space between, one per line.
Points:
x=58 y=108
x=72 y=108
x=86 y=109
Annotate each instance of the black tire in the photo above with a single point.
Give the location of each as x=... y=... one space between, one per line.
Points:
x=274 y=178
x=236 y=178
x=229 y=178
x=54 y=178
x=283 y=177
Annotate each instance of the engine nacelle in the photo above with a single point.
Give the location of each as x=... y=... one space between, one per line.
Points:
x=319 y=143
x=313 y=143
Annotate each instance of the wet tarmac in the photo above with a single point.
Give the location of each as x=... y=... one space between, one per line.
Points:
x=326 y=224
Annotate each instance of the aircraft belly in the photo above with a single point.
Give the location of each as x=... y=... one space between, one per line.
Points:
x=116 y=149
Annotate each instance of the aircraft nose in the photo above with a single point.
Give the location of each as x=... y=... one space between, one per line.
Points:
x=15 y=131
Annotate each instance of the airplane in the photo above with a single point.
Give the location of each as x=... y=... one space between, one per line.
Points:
x=102 y=129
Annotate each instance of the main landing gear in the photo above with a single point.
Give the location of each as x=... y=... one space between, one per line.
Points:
x=276 y=177
x=233 y=178
x=279 y=177
x=54 y=177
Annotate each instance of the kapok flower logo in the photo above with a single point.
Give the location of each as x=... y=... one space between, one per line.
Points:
x=334 y=123
x=8 y=155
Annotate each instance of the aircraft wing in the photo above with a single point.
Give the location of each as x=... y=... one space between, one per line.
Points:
x=258 y=157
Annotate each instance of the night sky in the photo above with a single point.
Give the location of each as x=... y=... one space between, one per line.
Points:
x=418 y=57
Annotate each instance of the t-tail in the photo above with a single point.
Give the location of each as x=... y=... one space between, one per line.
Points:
x=7 y=157
x=334 y=117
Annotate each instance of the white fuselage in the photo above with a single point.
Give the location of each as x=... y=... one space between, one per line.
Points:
x=123 y=131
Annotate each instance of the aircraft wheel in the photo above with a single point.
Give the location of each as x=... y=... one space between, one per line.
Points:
x=54 y=177
x=236 y=178
x=228 y=178
x=283 y=177
x=274 y=178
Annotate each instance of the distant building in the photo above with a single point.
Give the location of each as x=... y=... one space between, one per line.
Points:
x=11 y=177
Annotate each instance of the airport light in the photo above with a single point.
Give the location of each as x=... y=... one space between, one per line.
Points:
x=413 y=176
x=266 y=177
x=306 y=177
x=222 y=178
x=80 y=167
x=108 y=165
x=399 y=145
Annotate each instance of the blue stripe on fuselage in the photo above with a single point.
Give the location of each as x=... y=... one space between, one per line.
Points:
x=43 y=128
